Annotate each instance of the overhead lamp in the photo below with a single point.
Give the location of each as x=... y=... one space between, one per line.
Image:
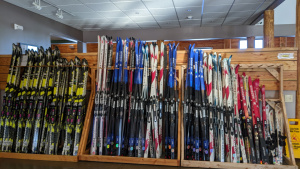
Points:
x=37 y=4
x=59 y=14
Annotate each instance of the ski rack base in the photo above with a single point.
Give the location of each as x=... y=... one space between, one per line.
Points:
x=47 y=157
x=288 y=163
x=85 y=152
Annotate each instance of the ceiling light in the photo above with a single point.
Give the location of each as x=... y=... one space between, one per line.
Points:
x=189 y=10
x=59 y=14
x=37 y=4
x=189 y=17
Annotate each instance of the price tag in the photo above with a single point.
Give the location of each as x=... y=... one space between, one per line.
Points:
x=285 y=56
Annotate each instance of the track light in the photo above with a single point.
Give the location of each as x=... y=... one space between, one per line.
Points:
x=37 y=4
x=59 y=14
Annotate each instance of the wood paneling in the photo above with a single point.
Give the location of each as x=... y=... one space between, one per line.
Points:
x=65 y=48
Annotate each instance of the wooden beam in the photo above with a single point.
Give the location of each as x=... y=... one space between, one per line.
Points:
x=297 y=37
x=227 y=43
x=269 y=29
x=251 y=42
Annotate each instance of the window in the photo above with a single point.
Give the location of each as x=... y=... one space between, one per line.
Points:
x=32 y=47
x=243 y=44
x=258 y=43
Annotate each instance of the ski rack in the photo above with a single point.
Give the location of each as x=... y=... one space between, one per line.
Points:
x=276 y=70
x=46 y=157
x=84 y=154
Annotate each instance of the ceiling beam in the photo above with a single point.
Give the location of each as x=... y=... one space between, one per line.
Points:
x=271 y=7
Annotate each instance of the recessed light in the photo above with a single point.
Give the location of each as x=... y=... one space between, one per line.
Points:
x=189 y=10
x=189 y=17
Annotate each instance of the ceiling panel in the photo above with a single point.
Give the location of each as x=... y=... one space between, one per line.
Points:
x=235 y=19
x=93 y=1
x=240 y=14
x=187 y=3
x=218 y=2
x=169 y=24
x=216 y=8
x=163 y=11
x=45 y=10
x=25 y=3
x=245 y=7
x=189 y=11
x=112 y=14
x=103 y=7
x=87 y=15
x=212 y=20
x=76 y=8
x=193 y=22
x=63 y=2
x=247 y=1
x=165 y=17
x=128 y=5
x=158 y=3
x=117 y=20
x=143 y=19
x=211 y=24
x=135 y=13
x=215 y=15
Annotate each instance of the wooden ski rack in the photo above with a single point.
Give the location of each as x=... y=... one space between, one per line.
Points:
x=276 y=69
x=85 y=151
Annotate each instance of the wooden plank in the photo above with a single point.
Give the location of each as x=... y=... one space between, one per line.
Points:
x=207 y=164
x=282 y=41
x=65 y=48
x=274 y=85
x=42 y=157
x=264 y=75
x=3 y=77
x=4 y=69
x=2 y=85
x=5 y=61
x=129 y=160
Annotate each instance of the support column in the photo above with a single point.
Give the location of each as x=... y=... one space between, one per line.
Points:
x=227 y=43
x=297 y=37
x=81 y=47
x=251 y=42
x=269 y=29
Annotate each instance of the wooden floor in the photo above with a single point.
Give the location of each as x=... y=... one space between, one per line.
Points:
x=31 y=164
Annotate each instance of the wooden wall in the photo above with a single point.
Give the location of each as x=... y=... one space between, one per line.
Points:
x=64 y=48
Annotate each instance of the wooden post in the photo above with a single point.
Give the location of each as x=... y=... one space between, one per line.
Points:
x=227 y=43
x=269 y=29
x=251 y=42
x=297 y=37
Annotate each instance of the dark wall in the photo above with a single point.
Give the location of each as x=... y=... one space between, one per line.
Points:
x=37 y=28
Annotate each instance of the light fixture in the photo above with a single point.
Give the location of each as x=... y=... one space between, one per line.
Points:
x=189 y=10
x=59 y=14
x=37 y=4
x=189 y=17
